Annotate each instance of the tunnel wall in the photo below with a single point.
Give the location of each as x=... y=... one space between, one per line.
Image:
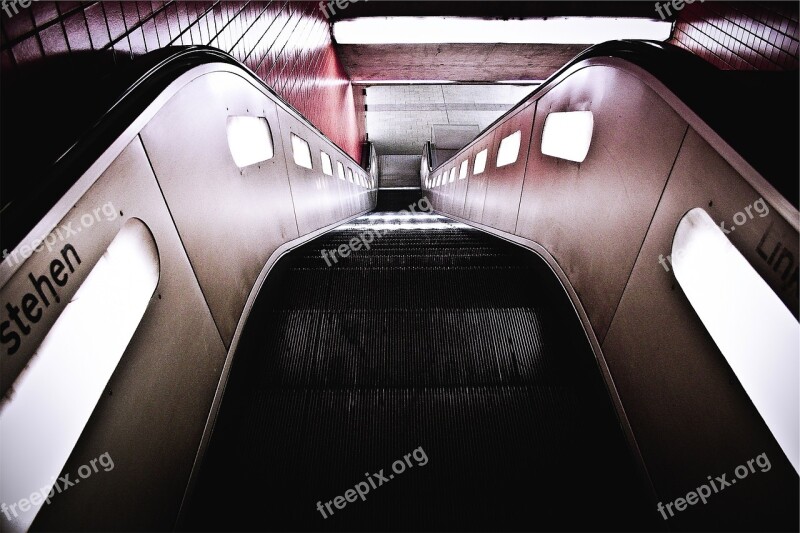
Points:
x=286 y=43
x=218 y=228
x=740 y=35
x=605 y=226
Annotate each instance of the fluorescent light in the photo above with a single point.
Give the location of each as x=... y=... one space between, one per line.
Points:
x=327 y=168
x=403 y=82
x=520 y=82
x=53 y=398
x=551 y=30
x=508 y=152
x=568 y=135
x=462 y=174
x=752 y=328
x=480 y=162
x=400 y=216
x=402 y=226
x=301 y=151
x=249 y=140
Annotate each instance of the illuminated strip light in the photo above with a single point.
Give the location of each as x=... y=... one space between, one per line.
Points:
x=369 y=81
x=301 y=151
x=750 y=325
x=52 y=399
x=520 y=82
x=461 y=30
x=402 y=82
x=327 y=167
x=508 y=153
x=568 y=135
x=480 y=162
x=249 y=140
x=404 y=226
x=405 y=216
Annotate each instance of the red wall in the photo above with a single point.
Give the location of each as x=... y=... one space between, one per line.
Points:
x=287 y=43
x=740 y=35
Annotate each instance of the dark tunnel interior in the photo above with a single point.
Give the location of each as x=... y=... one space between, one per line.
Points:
x=438 y=339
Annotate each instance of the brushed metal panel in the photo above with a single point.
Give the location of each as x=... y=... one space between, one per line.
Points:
x=305 y=183
x=363 y=188
x=476 y=188
x=343 y=200
x=768 y=242
x=442 y=188
x=448 y=189
x=447 y=196
x=433 y=197
x=439 y=189
x=690 y=415
x=592 y=216
x=88 y=243
x=348 y=190
x=460 y=190
x=229 y=219
x=354 y=189
x=504 y=187
x=151 y=417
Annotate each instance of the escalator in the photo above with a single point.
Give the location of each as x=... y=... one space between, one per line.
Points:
x=442 y=347
x=437 y=378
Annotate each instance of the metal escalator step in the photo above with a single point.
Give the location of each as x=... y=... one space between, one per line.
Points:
x=445 y=340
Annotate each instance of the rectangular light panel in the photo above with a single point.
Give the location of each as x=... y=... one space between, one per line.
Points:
x=455 y=30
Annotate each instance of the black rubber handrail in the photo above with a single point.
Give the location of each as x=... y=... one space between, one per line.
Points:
x=706 y=90
x=130 y=91
x=745 y=108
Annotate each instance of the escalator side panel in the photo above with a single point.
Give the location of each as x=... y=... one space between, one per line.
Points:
x=691 y=414
x=153 y=410
x=190 y=156
x=608 y=223
x=593 y=216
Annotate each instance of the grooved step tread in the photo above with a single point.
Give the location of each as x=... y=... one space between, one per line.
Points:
x=445 y=339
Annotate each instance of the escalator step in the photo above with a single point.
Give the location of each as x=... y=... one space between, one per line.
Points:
x=445 y=341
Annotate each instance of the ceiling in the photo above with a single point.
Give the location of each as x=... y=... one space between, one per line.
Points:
x=400 y=118
x=455 y=62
